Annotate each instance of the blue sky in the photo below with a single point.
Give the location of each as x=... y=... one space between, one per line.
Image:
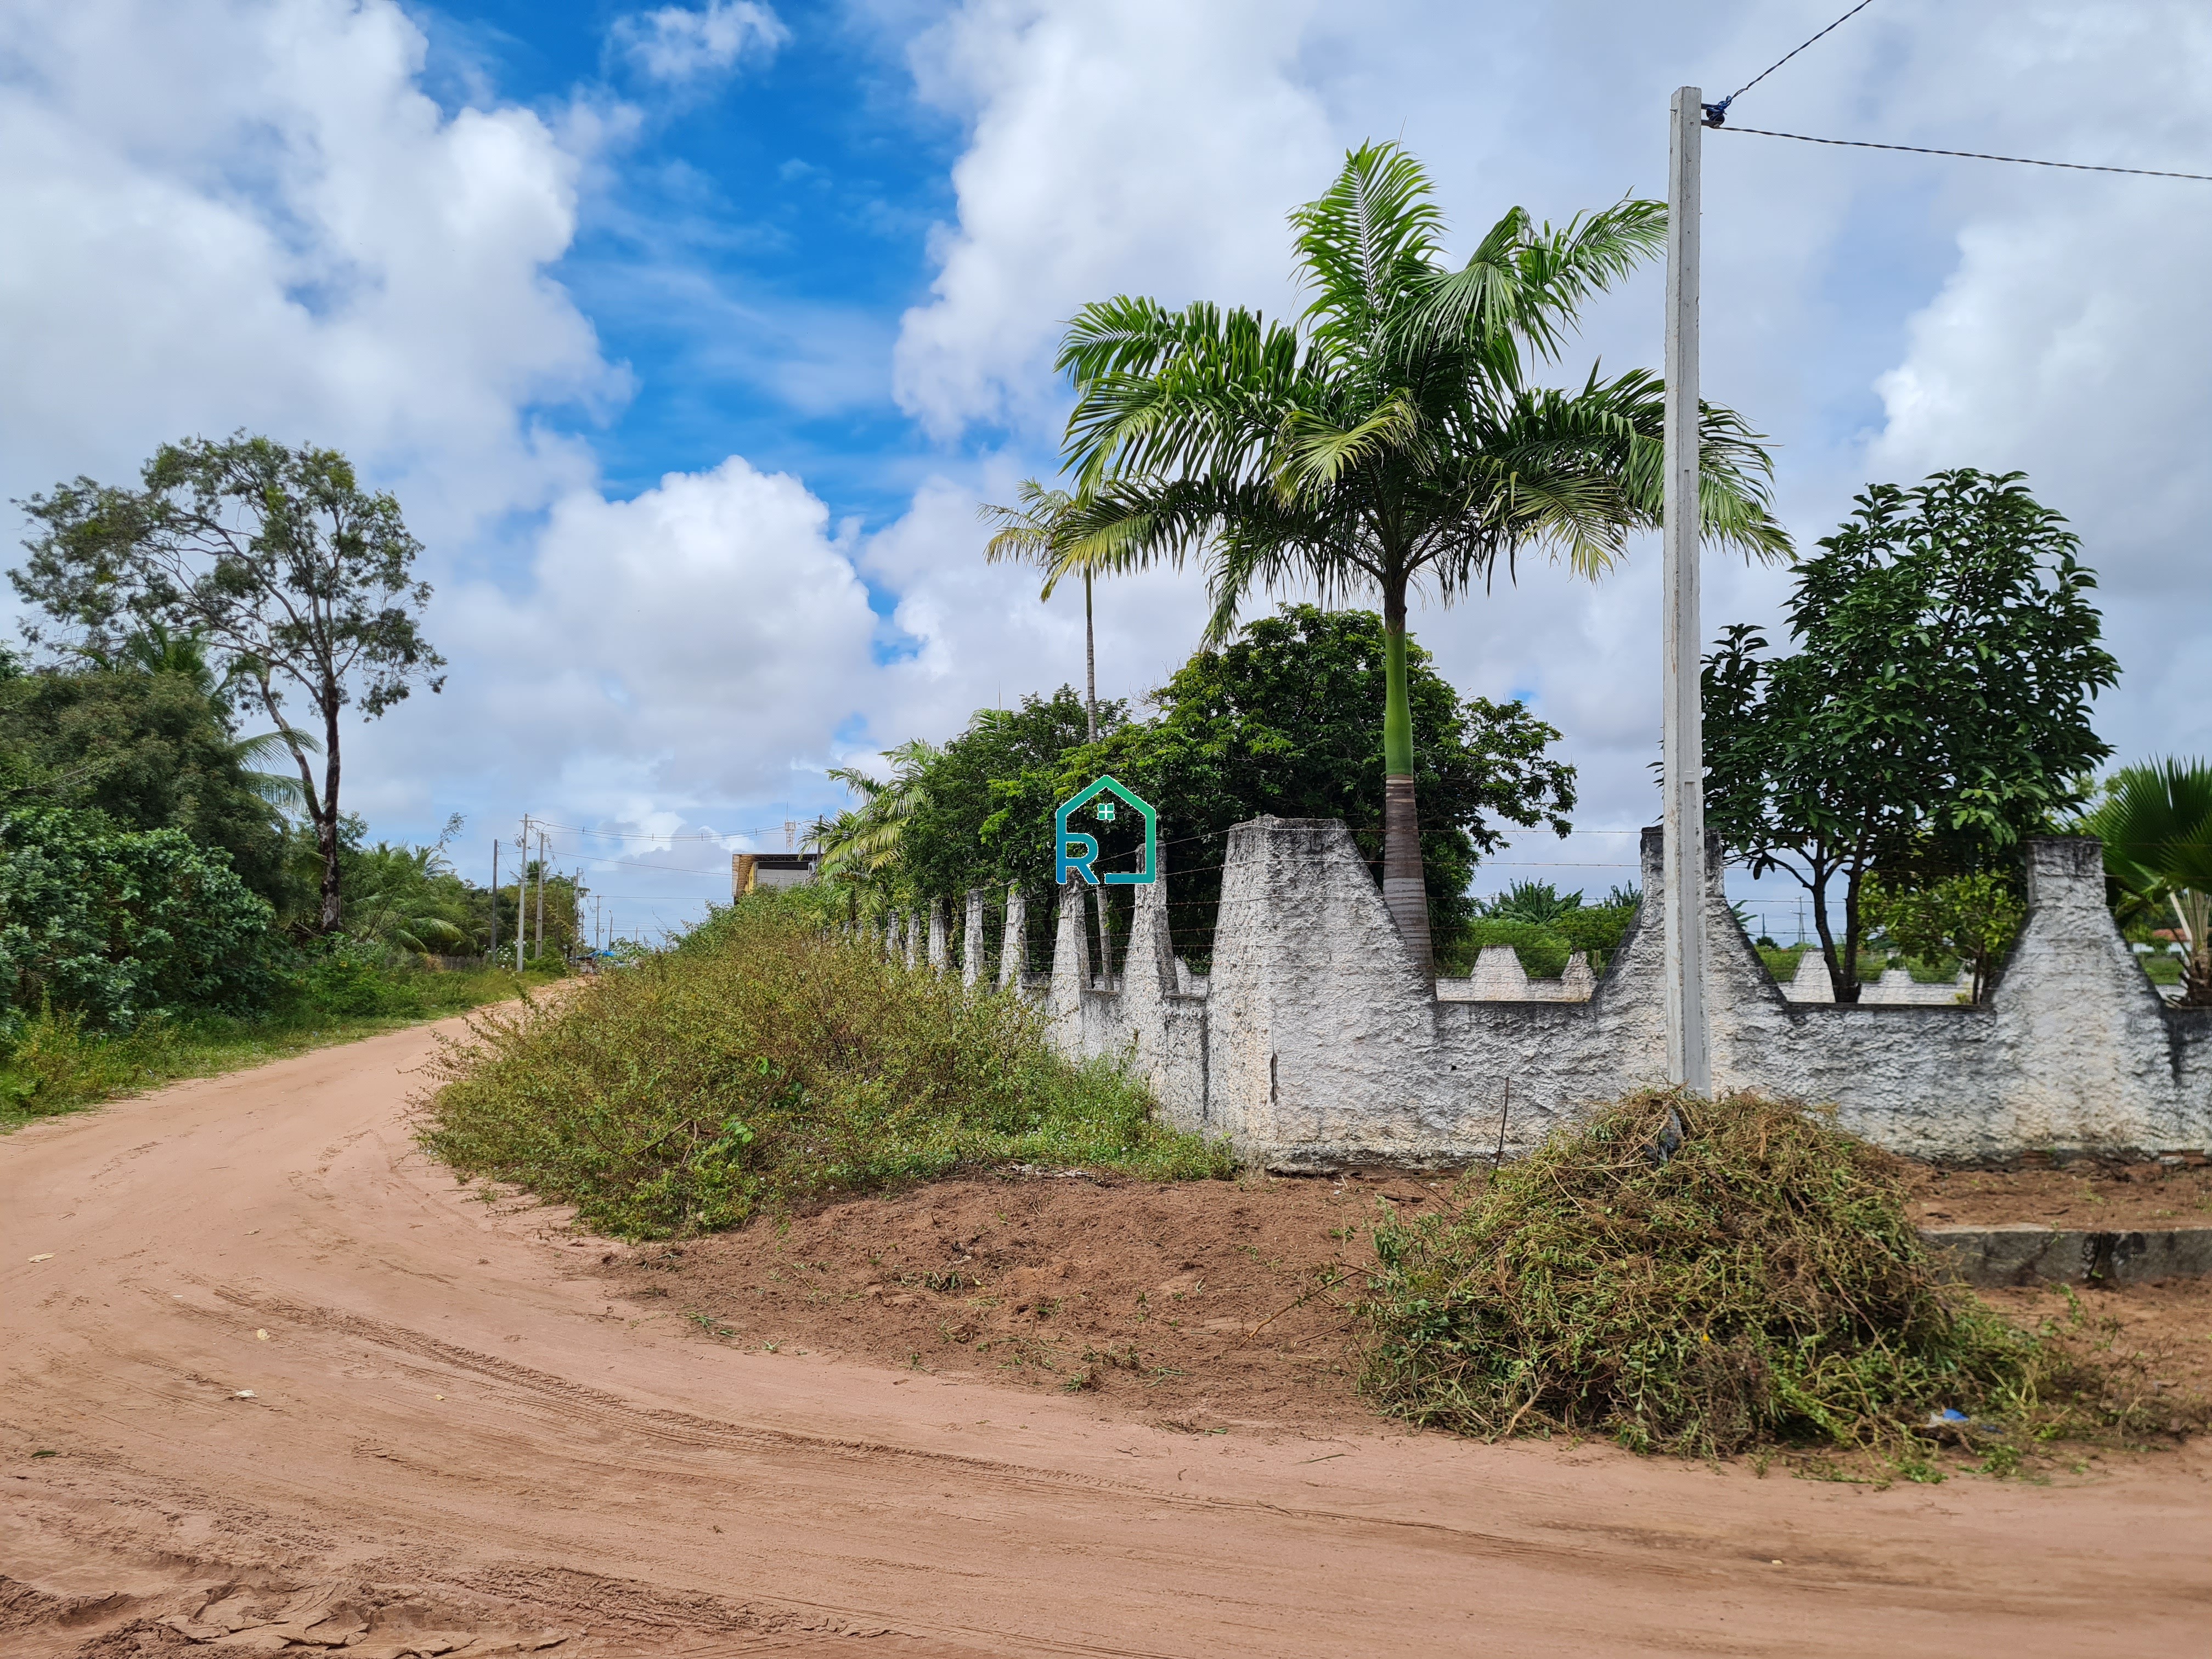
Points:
x=691 y=335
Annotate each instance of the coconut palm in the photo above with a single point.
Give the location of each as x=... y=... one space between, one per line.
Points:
x=2155 y=820
x=156 y=648
x=399 y=907
x=1050 y=530
x=1389 y=439
x=859 y=846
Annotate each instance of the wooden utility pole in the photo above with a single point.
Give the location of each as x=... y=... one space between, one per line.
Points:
x=1689 y=1049
x=538 y=951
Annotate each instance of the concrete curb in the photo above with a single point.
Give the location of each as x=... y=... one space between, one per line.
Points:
x=2019 y=1253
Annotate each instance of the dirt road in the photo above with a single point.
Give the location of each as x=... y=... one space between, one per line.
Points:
x=448 y=1426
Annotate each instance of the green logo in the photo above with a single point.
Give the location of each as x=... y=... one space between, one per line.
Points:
x=1076 y=850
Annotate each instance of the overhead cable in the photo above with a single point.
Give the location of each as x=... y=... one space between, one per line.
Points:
x=1968 y=154
x=1715 y=112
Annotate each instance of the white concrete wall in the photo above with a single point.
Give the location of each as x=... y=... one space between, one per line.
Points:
x=1316 y=1041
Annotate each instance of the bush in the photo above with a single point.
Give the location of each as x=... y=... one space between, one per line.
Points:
x=1595 y=929
x=1760 y=1282
x=759 y=1064
x=114 y=925
x=1543 y=950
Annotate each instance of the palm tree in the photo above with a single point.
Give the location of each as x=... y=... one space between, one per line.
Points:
x=2155 y=820
x=400 y=910
x=1051 y=530
x=1388 y=439
x=156 y=648
x=859 y=846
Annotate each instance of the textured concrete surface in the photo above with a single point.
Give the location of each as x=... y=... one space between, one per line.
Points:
x=2022 y=1252
x=1317 y=1042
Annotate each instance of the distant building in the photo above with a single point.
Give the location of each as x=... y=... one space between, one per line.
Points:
x=750 y=871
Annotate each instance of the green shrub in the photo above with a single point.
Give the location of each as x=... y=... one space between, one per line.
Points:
x=114 y=925
x=1761 y=1283
x=1782 y=960
x=761 y=1063
x=1543 y=950
x=1595 y=929
x=55 y=1064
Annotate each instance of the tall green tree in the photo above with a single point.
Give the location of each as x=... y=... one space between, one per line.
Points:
x=1390 y=440
x=2155 y=820
x=1285 y=720
x=149 y=751
x=1947 y=652
x=277 y=558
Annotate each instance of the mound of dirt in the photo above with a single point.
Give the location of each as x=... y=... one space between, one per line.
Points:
x=1210 y=1305
x=1196 y=1303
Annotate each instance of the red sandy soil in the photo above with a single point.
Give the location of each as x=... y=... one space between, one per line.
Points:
x=458 y=1434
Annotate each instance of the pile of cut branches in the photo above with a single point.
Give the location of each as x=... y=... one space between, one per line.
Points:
x=1691 y=1276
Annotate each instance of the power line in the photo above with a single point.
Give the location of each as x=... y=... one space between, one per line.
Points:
x=1716 y=111
x=1965 y=154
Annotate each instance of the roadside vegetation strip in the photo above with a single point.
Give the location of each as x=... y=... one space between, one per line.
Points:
x=1704 y=1278
x=59 y=1063
x=760 y=1064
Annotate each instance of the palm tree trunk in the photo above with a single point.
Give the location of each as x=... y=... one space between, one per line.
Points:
x=1403 y=889
x=1089 y=665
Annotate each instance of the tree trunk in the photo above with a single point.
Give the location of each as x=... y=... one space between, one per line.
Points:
x=326 y=824
x=1404 y=892
x=1847 y=984
x=1089 y=665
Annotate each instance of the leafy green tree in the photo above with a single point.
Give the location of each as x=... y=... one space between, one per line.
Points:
x=150 y=751
x=1285 y=721
x=1390 y=440
x=118 y=924
x=2155 y=820
x=277 y=558
x=1947 y=651
x=1974 y=917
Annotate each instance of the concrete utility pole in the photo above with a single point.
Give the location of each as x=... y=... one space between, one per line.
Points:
x=539 y=951
x=494 y=901
x=1689 y=1049
x=522 y=895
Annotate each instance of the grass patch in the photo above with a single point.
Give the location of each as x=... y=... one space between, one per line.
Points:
x=759 y=1064
x=1693 y=1278
x=58 y=1066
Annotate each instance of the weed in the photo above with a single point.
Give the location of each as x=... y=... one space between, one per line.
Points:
x=58 y=1065
x=844 y=1073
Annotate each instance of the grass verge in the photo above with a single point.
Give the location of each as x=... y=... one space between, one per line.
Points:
x=759 y=1064
x=57 y=1065
x=1704 y=1278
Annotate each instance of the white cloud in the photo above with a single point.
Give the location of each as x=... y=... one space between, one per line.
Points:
x=235 y=215
x=676 y=651
x=1153 y=142
x=682 y=43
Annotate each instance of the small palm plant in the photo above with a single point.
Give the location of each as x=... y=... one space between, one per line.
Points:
x=859 y=846
x=2155 y=820
x=1390 y=439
